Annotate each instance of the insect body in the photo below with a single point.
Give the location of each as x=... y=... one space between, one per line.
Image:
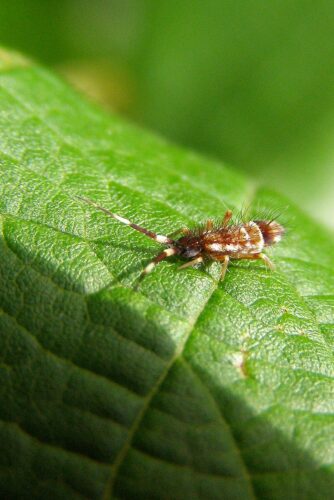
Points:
x=212 y=242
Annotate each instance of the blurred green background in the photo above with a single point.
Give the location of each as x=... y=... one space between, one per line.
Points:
x=249 y=82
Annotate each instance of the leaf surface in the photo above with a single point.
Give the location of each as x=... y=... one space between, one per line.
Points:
x=185 y=388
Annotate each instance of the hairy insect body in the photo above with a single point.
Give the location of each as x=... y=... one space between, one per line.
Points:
x=231 y=241
x=235 y=241
x=222 y=243
x=272 y=231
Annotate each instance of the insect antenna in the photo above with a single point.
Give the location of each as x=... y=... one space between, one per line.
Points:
x=150 y=234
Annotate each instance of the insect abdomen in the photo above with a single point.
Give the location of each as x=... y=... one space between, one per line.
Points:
x=236 y=241
x=272 y=231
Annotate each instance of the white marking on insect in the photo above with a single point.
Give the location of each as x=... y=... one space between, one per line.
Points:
x=242 y=241
x=254 y=247
x=149 y=267
x=231 y=248
x=121 y=219
x=216 y=247
x=166 y=253
x=161 y=239
x=245 y=233
x=260 y=243
x=169 y=251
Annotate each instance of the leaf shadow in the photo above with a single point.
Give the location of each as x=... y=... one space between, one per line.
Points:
x=86 y=371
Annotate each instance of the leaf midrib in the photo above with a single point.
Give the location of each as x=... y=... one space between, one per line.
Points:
x=178 y=354
x=181 y=346
x=108 y=493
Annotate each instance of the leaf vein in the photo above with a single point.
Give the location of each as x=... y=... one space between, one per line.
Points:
x=71 y=362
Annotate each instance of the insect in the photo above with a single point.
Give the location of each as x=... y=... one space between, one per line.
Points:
x=220 y=242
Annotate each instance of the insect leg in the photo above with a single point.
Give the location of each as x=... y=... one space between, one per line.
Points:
x=267 y=261
x=161 y=256
x=193 y=262
x=261 y=256
x=154 y=236
x=224 y=267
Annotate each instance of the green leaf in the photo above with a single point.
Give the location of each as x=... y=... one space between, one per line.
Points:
x=249 y=83
x=186 y=388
